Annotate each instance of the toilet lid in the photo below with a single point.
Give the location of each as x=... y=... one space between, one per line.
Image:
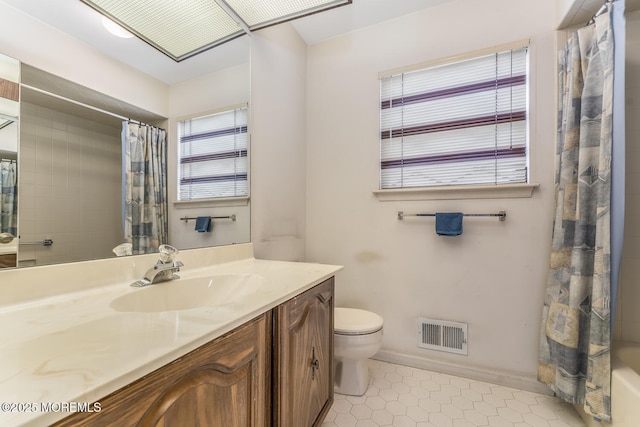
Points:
x=353 y=321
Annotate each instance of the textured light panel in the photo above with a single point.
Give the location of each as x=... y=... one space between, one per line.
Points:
x=178 y=28
x=262 y=13
x=183 y=28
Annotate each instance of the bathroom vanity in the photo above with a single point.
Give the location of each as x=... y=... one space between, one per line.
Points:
x=228 y=381
x=260 y=356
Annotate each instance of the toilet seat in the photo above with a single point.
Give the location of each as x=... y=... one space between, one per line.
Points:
x=353 y=321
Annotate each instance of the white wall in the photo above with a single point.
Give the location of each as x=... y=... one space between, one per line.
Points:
x=627 y=326
x=277 y=123
x=197 y=97
x=493 y=276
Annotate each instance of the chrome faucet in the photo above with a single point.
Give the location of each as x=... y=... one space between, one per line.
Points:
x=164 y=269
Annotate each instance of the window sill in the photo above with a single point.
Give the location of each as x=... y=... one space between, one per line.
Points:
x=208 y=203
x=457 y=192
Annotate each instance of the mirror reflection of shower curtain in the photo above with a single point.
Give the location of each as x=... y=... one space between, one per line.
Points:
x=8 y=199
x=144 y=186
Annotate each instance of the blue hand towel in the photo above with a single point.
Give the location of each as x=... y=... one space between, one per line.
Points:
x=203 y=223
x=449 y=223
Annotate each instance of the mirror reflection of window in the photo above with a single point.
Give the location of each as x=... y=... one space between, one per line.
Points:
x=213 y=156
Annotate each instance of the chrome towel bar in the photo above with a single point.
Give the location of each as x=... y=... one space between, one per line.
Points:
x=187 y=219
x=502 y=215
x=45 y=242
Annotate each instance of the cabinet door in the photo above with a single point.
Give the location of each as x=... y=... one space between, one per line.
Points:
x=221 y=384
x=303 y=358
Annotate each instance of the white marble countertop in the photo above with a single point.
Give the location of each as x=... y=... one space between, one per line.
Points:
x=76 y=347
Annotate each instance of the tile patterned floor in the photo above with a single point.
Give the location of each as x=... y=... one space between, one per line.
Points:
x=400 y=396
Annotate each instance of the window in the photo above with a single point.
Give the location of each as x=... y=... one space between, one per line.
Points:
x=457 y=123
x=213 y=156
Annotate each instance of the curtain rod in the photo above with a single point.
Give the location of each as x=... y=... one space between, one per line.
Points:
x=600 y=11
x=82 y=104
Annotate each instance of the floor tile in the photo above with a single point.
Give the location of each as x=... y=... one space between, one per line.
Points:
x=401 y=396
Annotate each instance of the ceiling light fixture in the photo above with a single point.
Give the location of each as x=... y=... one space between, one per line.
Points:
x=183 y=28
x=115 y=29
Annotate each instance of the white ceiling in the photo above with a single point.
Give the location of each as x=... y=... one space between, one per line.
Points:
x=82 y=22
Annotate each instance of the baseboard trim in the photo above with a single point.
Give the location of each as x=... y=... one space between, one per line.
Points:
x=508 y=379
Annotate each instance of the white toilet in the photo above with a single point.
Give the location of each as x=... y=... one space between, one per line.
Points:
x=357 y=337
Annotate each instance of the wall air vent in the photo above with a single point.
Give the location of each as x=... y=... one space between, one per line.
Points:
x=442 y=335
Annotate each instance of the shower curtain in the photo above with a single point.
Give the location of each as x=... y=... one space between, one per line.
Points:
x=8 y=200
x=575 y=336
x=144 y=187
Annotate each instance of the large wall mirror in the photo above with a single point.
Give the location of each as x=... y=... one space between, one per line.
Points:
x=61 y=145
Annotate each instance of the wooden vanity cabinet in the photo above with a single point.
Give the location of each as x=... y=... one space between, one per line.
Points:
x=8 y=260
x=303 y=358
x=221 y=384
x=276 y=370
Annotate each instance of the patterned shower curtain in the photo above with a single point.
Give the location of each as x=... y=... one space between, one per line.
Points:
x=144 y=186
x=575 y=341
x=8 y=200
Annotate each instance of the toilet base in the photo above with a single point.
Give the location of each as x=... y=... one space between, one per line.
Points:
x=351 y=376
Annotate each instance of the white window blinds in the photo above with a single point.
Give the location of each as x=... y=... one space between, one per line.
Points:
x=455 y=124
x=213 y=156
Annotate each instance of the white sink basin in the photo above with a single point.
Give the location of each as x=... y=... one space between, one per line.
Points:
x=183 y=294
